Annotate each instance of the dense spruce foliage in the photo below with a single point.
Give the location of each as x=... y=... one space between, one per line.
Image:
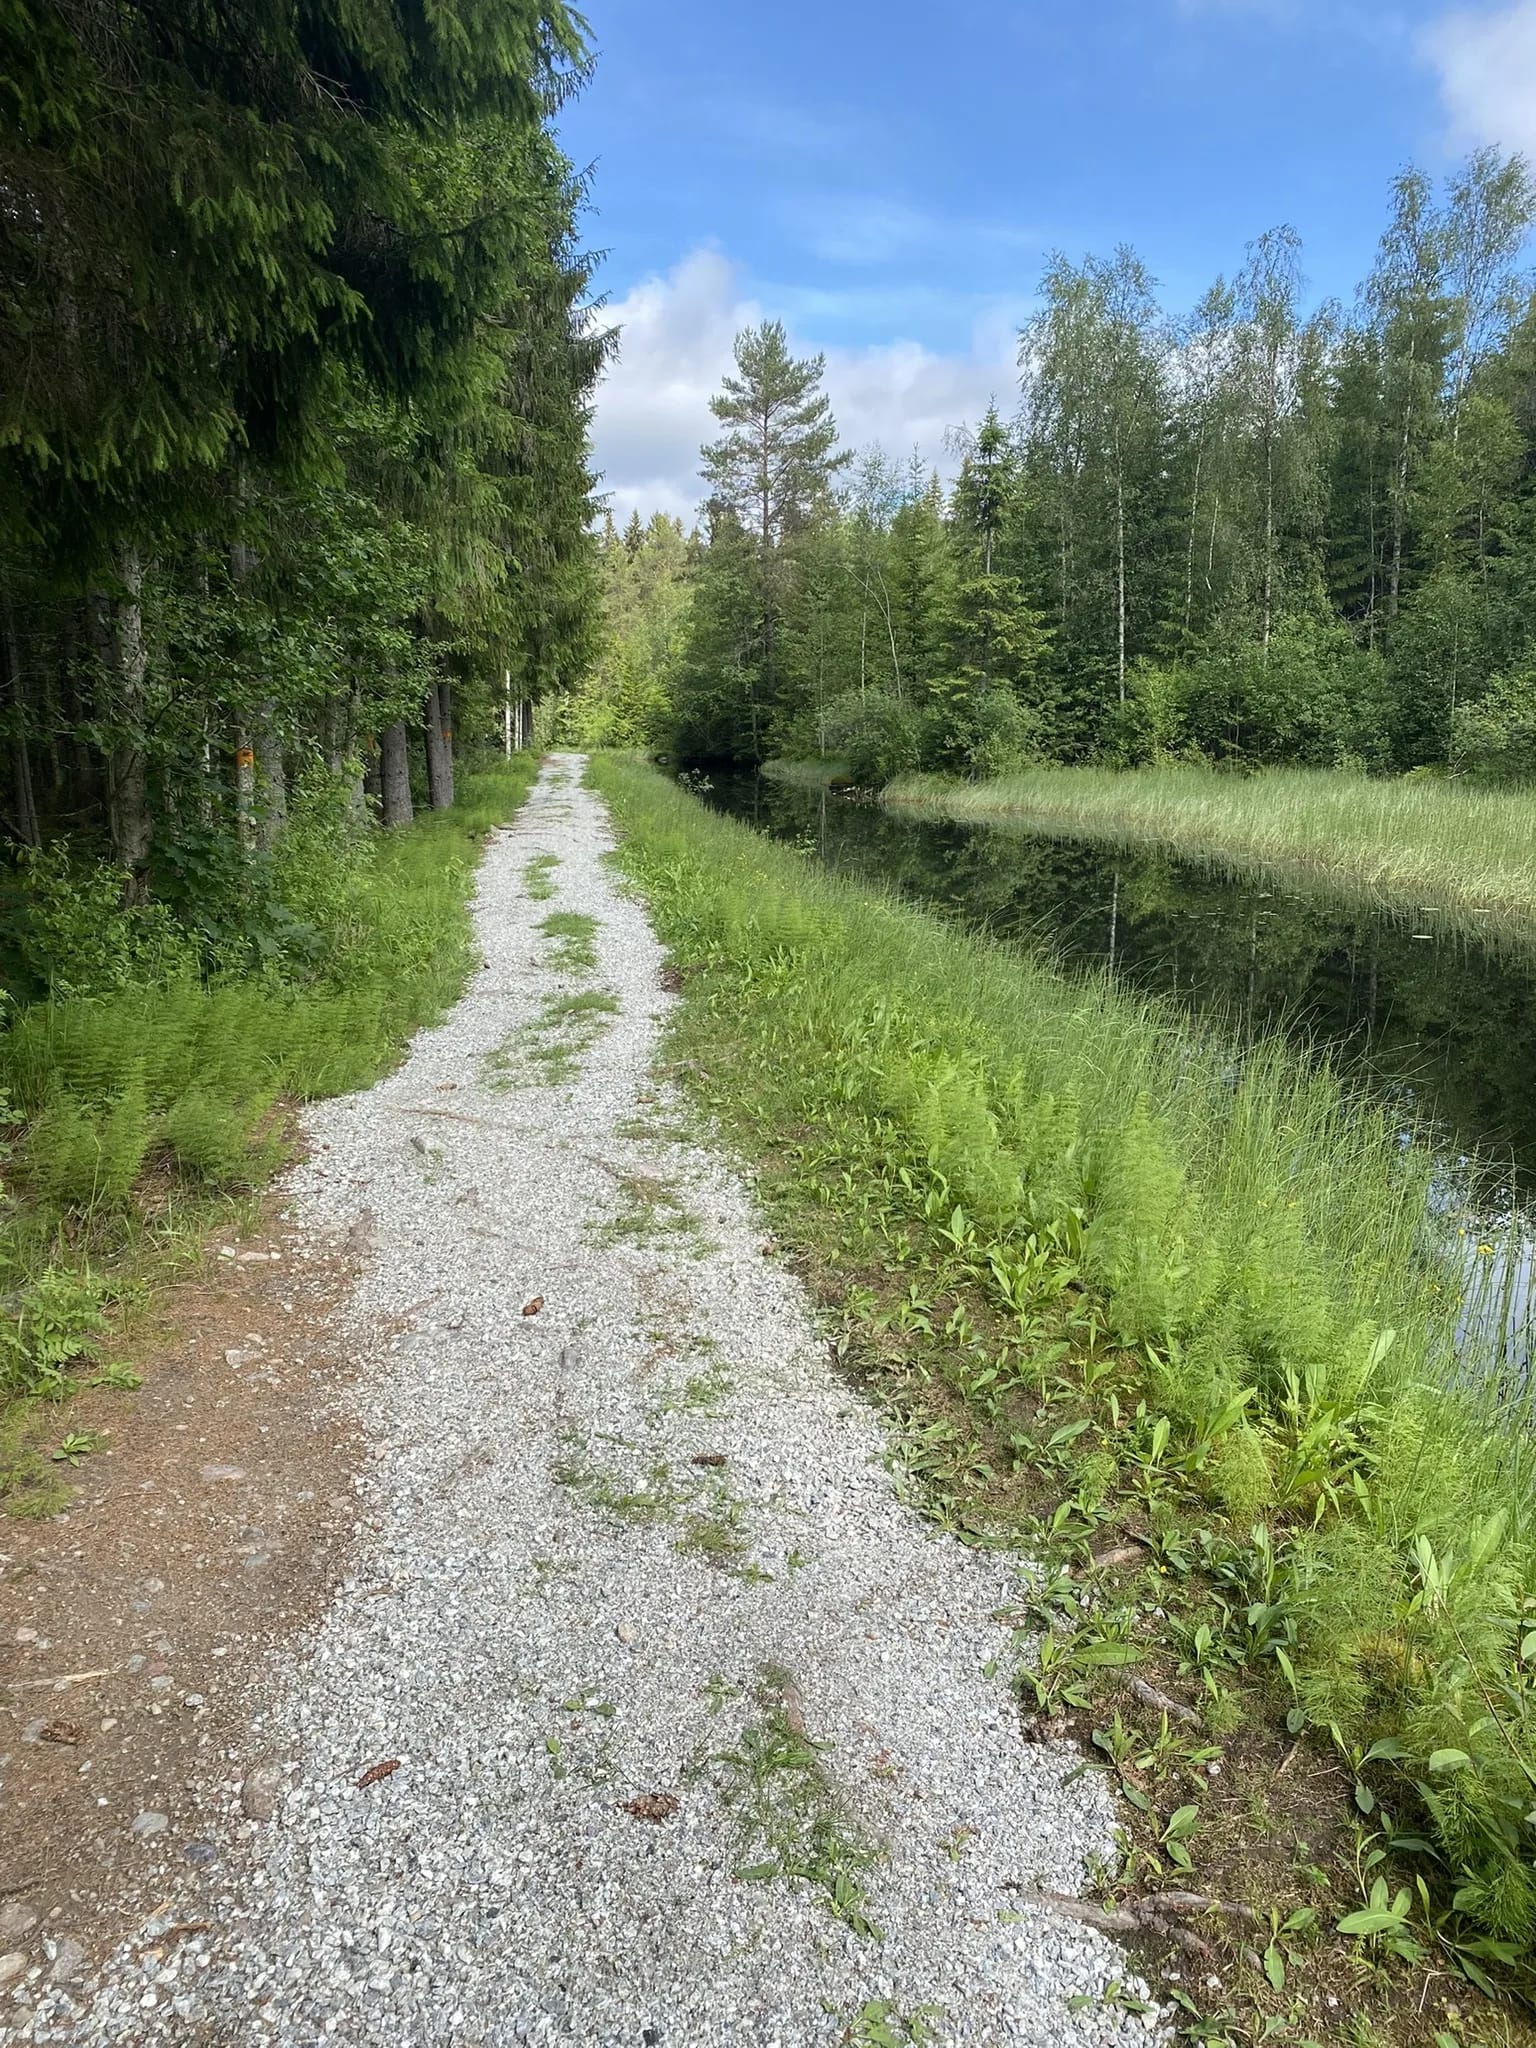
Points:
x=298 y=354
x=1262 y=532
x=292 y=433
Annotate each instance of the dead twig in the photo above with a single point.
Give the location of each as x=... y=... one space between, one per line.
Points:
x=1160 y=1703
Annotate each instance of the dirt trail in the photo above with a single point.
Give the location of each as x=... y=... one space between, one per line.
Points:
x=647 y=1710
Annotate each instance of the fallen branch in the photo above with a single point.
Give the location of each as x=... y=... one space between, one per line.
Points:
x=69 y=1678
x=1160 y=1913
x=1160 y=1703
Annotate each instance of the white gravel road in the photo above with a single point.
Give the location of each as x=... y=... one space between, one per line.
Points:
x=606 y=1548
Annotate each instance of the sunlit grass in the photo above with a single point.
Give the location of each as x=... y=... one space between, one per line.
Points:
x=1435 y=845
x=1225 y=1252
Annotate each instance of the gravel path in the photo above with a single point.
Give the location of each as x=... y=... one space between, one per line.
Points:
x=636 y=1606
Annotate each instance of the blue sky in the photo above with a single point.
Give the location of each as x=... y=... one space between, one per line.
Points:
x=889 y=179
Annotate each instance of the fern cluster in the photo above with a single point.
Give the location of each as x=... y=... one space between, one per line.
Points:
x=1260 y=1248
x=188 y=1075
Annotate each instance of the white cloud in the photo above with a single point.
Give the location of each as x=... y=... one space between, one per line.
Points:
x=675 y=346
x=1486 y=61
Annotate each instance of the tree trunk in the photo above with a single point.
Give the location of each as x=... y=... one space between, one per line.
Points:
x=445 y=705
x=118 y=628
x=1189 y=553
x=245 y=788
x=1120 y=579
x=343 y=752
x=1269 y=529
x=395 y=774
x=23 y=820
x=439 y=748
x=271 y=780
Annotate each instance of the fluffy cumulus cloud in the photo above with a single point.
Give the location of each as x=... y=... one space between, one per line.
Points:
x=1486 y=61
x=675 y=346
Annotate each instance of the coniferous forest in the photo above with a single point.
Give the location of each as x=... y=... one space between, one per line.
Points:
x=1255 y=531
x=293 y=481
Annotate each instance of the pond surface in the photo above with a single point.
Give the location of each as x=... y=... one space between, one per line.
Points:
x=1438 y=1021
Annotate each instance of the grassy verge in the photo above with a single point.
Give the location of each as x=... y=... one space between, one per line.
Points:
x=1470 y=853
x=140 y=1117
x=1166 y=1323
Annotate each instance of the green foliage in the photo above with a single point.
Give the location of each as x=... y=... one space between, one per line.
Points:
x=192 y=1071
x=78 y=937
x=1247 y=534
x=1211 y=1265
x=219 y=1140
x=53 y=1316
x=1495 y=736
x=877 y=737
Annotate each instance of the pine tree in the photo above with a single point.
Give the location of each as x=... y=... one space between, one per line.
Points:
x=768 y=476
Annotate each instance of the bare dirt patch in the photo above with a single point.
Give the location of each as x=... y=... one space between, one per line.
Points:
x=137 y=1627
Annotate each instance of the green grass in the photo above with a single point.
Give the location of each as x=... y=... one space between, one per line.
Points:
x=546 y=1052
x=575 y=941
x=1131 y=1292
x=790 y=1823
x=1437 y=845
x=539 y=876
x=143 y=1115
x=819 y=774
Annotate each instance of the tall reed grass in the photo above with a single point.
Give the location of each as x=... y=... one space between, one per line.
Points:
x=1441 y=845
x=1253 y=1241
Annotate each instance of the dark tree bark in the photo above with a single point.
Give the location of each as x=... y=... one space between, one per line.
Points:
x=271 y=780
x=23 y=819
x=117 y=622
x=395 y=774
x=344 y=751
x=439 y=749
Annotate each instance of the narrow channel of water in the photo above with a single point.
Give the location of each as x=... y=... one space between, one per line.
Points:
x=1435 y=1020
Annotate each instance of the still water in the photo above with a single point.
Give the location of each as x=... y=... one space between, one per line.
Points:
x=1438 y=1021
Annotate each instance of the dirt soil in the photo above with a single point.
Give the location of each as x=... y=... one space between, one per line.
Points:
x=136 y=1627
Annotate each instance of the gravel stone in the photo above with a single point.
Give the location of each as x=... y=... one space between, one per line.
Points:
x=67 y=1959
x=261 y=1791
x=552 y=1611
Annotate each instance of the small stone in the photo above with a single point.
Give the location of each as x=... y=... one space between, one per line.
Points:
x=200 y=1852
x=213 y=1473
x=68 y=1959
x=193 y=1700
x=12 y=1965
x=150 y=1824
x=16 y=1919
x=626 y=1632
x=26 y=1635
x=260 y=1792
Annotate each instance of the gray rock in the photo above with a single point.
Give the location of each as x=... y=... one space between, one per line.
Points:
x=149 y=1824
x=16 y=1919
x=68 y=1959
x=261 y=1791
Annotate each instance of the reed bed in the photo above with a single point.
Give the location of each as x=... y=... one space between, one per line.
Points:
x=1444 y=846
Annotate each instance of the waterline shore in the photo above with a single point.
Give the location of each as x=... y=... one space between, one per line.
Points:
x=1442 y=846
